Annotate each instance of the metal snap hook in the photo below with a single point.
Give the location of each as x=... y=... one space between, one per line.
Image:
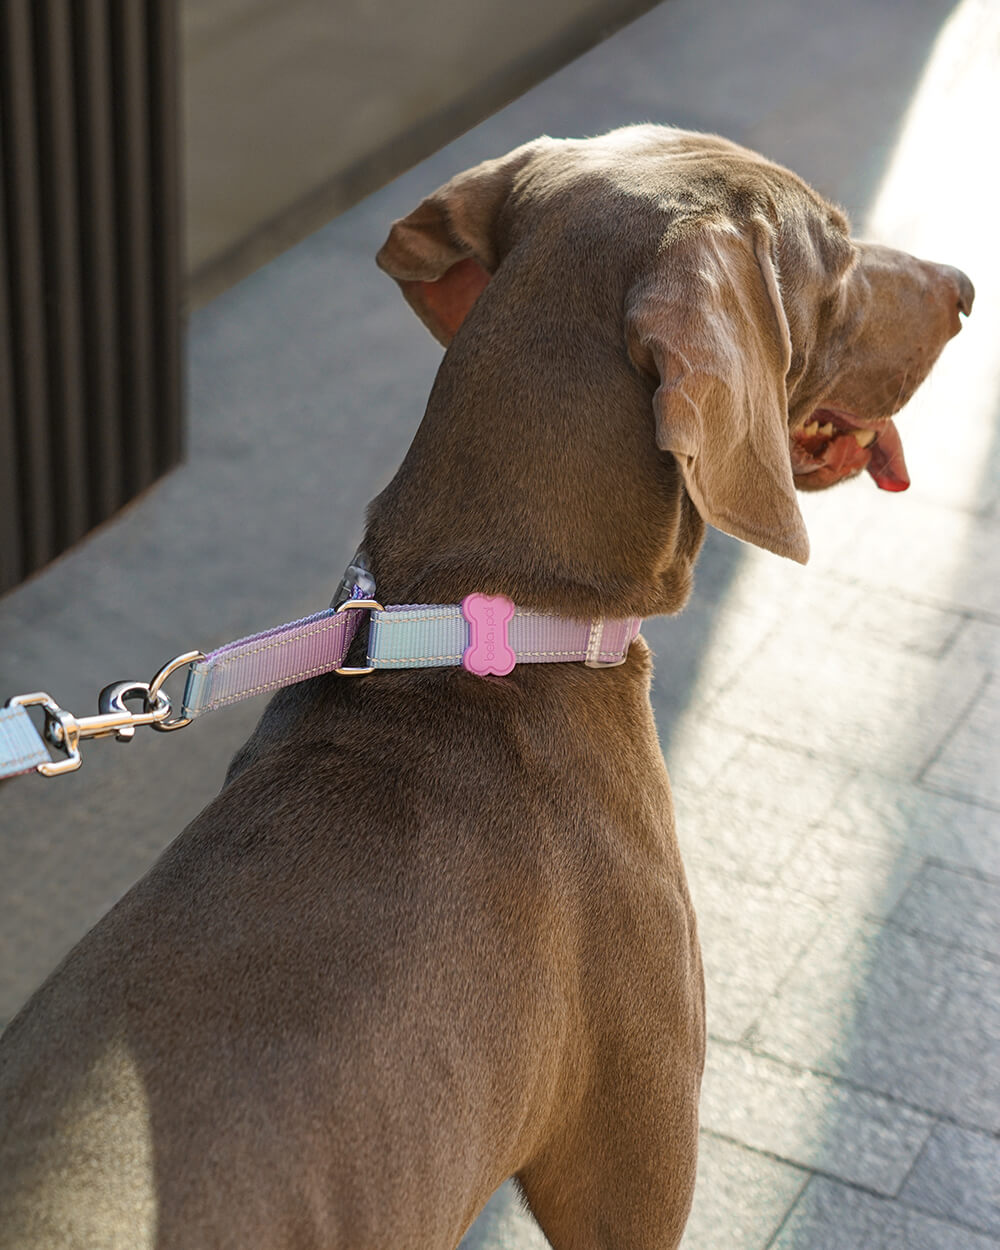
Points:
x=112 y=701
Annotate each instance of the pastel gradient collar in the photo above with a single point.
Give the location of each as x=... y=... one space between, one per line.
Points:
x=487 y=635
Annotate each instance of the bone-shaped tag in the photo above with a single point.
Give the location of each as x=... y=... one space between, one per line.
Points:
x=489 y=650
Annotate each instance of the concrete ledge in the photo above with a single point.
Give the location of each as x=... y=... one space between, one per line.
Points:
x=296 y=111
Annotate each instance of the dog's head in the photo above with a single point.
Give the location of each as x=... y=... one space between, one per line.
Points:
x=776 y=347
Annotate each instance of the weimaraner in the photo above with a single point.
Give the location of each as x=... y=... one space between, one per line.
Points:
x=434 y=932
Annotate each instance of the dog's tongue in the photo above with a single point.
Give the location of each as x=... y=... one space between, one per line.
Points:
x=887 y=465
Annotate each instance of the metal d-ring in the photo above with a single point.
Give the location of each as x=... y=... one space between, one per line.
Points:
x=179 y=661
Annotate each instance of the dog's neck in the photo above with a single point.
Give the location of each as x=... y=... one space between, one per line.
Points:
x=534 y=474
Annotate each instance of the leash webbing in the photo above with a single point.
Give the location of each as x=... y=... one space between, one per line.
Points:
x=21 y=748
x=267 y=661
x=277 y=657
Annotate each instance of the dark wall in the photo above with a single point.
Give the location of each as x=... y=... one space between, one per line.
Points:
x=90 y=266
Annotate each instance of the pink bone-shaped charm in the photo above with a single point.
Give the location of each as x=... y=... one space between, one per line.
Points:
x=489 y=650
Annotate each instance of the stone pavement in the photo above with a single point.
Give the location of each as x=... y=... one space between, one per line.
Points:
x=832 y=732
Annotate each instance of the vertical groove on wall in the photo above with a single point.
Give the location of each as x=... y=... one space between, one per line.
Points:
x=11 y=566
x=132 y=184
x=99 y=276
x=36 y=523
x=165 y=199
x=89 y=266
x=61 y=267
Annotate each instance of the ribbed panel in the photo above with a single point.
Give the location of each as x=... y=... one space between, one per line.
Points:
x=90 y=396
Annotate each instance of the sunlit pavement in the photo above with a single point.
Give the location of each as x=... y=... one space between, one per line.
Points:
x=832 y=732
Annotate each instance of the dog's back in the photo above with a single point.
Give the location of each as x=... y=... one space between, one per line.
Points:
x=301 y=1020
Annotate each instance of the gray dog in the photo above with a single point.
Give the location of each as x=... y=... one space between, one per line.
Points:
x=434 y=932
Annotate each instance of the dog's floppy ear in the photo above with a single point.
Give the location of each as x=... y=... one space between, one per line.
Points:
x=445 y=252
x=709 y=326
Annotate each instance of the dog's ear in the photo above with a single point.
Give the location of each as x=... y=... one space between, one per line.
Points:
x=708 y=325
x=445 y=252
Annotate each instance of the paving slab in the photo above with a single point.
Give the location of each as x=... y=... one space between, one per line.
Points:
x=848 y=875
x=811 y=1120
x=871 y=615
x=966 y=764
x=723 y=832
x=830 y=1216
x=699 y=750
x=686 y=674
x=890 y=710
x=979 y=641
x=956 y=907
x=759 y=809
x=958 y=1176
x=751 y=938
x=740 y=1197
x=899 y=818
x=942 y=555
x=808 y=783
x=897 y=1013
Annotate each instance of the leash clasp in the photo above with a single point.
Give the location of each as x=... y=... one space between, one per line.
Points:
x=114 y=717
x=66 y=731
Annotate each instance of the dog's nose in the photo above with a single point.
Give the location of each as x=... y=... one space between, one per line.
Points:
x=964 y=290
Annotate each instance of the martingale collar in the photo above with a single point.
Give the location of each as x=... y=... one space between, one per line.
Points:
x=487 y=635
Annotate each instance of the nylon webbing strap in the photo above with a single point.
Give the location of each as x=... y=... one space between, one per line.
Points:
x=434 y=635
x=278 y=657
x=487 y=635
x=21 y=745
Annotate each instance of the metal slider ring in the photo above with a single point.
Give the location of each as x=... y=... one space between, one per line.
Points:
x=348 y=605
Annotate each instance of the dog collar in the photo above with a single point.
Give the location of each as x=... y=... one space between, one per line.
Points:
x=487 y=635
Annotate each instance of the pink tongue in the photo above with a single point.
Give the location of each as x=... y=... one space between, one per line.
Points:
x=887 y=465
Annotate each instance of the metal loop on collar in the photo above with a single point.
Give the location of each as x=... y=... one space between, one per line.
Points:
x=372 y=605
x=179 y=661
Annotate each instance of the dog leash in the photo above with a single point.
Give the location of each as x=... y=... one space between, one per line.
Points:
x=486 y=634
